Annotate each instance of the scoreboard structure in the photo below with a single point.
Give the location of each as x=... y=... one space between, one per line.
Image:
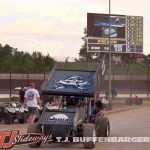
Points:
x=126 y=33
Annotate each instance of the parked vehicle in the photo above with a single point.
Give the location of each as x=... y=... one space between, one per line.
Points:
x=11 y=111
x=106 y=103
x=134 y=100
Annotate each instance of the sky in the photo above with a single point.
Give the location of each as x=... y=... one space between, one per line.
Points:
x=56 y=27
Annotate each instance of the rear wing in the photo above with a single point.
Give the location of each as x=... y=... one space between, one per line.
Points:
x=69 y=82
x=73 y=82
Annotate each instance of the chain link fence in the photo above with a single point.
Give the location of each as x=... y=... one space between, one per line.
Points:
x=123 y=82
x=9 y=82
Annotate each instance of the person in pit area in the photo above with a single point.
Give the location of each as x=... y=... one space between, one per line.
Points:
x=31 y=101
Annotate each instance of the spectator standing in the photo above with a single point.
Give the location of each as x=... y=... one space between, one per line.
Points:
x=114 y=93
x=21 y=95
x=107 y=94
x=31 y=100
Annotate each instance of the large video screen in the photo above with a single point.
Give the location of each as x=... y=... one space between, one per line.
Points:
x=98 y=26
x=125 y=33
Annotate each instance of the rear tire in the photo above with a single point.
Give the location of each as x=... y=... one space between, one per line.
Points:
x=34 y=128
x=89 y=131
x=102 y=126
x=8 y=118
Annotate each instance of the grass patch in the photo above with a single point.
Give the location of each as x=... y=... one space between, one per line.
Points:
x=122 y=69
x=8 y=100
x=77 y=66
x=124 y=98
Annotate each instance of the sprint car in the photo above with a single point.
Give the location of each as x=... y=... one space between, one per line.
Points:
x=70 y=121
x=72 y=116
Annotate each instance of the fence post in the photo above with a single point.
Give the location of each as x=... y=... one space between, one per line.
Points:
x=44 y=76
x=10 y=85
x=113 y=82
x=130 y=85
x=27 y=79
x=148 y=83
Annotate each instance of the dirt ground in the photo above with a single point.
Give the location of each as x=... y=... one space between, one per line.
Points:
x=130 y=121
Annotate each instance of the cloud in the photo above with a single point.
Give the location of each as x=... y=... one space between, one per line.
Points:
x=56 y=27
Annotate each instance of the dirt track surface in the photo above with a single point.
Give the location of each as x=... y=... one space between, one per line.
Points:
x=130 y=121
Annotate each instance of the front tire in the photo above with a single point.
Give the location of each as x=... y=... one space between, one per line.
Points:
x=34 y=128
x=89 y=131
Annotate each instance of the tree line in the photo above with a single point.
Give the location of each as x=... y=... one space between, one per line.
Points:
x=12 y=60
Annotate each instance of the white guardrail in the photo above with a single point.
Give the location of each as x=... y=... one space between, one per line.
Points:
x=101 y=95
x=8 y=95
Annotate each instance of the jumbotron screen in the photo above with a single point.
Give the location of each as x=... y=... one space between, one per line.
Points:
x=125 y=33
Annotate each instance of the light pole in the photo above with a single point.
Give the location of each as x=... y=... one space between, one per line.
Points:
x=109 y=53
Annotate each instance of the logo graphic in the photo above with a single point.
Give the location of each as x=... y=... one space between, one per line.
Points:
x=73 y=81
x=9 y=139
x=58 y=117
x=30 y=96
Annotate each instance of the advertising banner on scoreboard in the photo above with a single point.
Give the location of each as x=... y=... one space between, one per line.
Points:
x=125 y=33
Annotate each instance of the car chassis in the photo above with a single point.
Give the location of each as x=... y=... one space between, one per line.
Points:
x=69 y=120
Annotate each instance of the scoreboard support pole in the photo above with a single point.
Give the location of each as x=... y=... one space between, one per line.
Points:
x=109 y=53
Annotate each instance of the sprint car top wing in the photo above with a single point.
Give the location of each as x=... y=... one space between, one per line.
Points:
x=65 y=82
